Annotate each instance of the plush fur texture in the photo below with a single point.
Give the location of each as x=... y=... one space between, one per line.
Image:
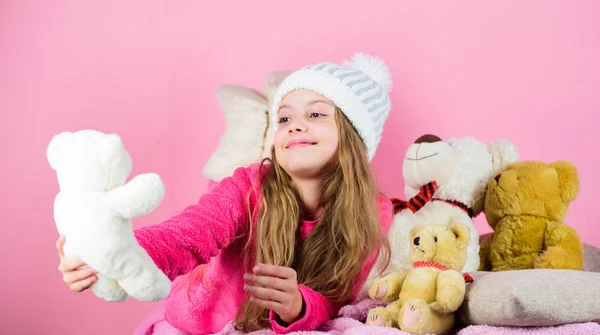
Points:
x=246 y=119
x=423 y=299
x=248 y=135
x=461 y=167
x=94 y=209
x=526 y=205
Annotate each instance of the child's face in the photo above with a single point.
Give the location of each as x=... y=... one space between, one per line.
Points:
x=306 y=140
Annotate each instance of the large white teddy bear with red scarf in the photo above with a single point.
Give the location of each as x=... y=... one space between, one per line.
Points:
x=445 y=182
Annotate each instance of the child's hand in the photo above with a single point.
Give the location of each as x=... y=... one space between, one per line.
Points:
x=275 y=288
x=78 y=280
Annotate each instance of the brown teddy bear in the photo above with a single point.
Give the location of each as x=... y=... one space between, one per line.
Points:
x=526 y=205
x=424 y=298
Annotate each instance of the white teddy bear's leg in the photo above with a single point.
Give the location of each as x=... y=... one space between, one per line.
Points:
x=134 y=271
x=108 y=289
x=144 y=281
x=105 y=287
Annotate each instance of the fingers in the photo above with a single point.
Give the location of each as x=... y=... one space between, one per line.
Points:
x=288 y=309
x=78 y=275
x=78 y=280
x=269 y=282
x=264 y=293
x=268 y=304
x=274 y=271
x=59 y=245
x=83 y=284
x=68 y=265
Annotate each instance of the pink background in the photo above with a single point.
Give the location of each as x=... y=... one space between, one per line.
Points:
x=147 y=70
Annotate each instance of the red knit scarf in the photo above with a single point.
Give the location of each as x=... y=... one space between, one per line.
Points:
x=424 y=196
x=427 y=264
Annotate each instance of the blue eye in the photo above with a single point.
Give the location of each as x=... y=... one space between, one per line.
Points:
x=284 y=119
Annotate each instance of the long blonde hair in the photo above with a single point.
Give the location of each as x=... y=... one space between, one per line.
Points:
x=333 y=254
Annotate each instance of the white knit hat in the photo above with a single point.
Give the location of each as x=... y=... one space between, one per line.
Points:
x=359 y=88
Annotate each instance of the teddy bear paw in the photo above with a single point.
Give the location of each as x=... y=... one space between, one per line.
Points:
x=379 y=316
x=381 y=290
x=412 y=316
x=376 y=320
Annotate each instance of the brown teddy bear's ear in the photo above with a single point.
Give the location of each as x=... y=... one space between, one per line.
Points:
x=568 y=180
x=462 y=232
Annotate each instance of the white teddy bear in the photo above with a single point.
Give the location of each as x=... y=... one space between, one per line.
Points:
x=94 y=209
x=445 y=182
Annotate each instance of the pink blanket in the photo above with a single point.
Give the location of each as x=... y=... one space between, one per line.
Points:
x=348 y=326
x=351 y=322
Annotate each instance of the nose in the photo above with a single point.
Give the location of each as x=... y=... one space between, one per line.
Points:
x=428 y=138
x=416 y=240
x=497 y=178
x=297 y=127
x=298 y=130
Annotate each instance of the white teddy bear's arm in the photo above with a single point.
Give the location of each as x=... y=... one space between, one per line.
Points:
x=139 y=196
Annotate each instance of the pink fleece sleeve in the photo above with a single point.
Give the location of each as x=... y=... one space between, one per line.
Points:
x=191 y=238
x=318 y=308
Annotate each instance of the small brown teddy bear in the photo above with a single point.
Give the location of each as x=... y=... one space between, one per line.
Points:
x=424 y=298
x=526 y=205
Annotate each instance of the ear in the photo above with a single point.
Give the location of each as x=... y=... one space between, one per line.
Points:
x=503 y=154
x=235 y=100
x=112 y=149
x=568 y=180
x=56 y=148
x=462 y=232
x=274 y=79
x=415 y=230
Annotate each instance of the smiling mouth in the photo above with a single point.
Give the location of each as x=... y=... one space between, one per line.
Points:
x=420 y=159
x=300 y=145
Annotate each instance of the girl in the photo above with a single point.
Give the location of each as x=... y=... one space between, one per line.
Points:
x=287 y=241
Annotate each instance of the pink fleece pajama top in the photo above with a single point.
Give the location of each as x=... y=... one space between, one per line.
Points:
x=205 y=233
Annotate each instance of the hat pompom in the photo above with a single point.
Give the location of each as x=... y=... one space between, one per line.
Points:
x=374 y=67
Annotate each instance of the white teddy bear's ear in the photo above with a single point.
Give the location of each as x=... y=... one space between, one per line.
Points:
x=112 y=150
x=56 y=148
x=274 y=79
x=503 y=154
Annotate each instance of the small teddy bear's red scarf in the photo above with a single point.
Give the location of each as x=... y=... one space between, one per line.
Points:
x=427 y=264
x=424 y=196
